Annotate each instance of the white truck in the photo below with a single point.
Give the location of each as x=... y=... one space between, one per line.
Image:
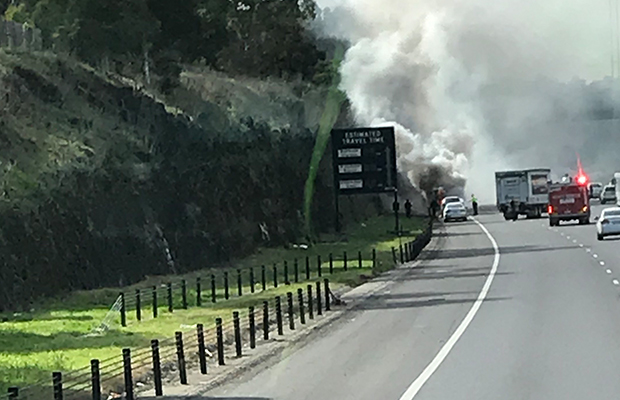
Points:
x=523 y=192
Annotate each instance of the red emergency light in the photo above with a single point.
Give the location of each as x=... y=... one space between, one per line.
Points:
x=582 y=180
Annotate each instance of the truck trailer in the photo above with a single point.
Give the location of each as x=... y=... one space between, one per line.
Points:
x=522 y=192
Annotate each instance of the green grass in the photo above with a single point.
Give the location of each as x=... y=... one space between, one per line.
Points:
x=53 y=337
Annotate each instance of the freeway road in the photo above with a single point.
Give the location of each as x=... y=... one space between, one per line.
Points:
x=548 y=327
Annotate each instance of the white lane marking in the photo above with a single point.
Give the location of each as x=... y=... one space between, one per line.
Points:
x=562 y=233
x=588 y=250
x=608 y=271
x=568 y=237
x=595 y=255
x=602 y=262
x=580 y=244
x=574 y=240
x=615 y=282
x=430 y=369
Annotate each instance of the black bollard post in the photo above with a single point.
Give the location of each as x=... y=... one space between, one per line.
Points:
x=310 y=303
x=129 y=395
x=198 y=292
x=344 y=260
x=220 y=341
x=286 y=280
x=319 y=265
x=57 y=385
x=213 y=289
x=266 y=320
x=138 y=305
x=178 y=336
x=275 y=275
x=394 y=255
x=252 y=326
x=291 y=315
x=170 y=305
x=374 y=258
x=123 y=311
x=13 y=393
x=202 y=351
x=184 y=294
x=239 y=283
x=327 y=305
x=359 y=259
x=263 y=277
x=279 y=315
x=237 y=328
x=296 y=269
x=155 y=305
x=331 y=263
x=307 y=267
x=95 y=379
x=251 y=279
x=319 y=307
x=226 y=294
x=159 y=391
x=300 y=300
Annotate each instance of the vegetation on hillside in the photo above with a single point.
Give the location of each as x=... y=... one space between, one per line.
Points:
x=254 y=37
x=104 y=182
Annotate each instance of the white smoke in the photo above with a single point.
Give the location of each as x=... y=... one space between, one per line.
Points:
x=471 y=87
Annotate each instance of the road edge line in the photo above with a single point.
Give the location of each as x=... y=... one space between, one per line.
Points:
x=430 y=369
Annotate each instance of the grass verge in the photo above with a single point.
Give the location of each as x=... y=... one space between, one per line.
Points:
x=55 y=336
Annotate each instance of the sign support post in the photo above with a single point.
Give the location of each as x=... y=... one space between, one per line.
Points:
x=396 y=222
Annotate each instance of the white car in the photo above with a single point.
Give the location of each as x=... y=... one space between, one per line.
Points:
x=608 y=195
x=455 y=211
x=608 y=223
x=450 y=199
x=595 y=189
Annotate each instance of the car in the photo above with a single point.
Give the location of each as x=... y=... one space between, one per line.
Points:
x=595 y=189
x=451 y=199
x=454 y=211
x=608 y=224
x=608 y=195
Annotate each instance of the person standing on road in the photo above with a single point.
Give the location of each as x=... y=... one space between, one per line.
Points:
x=474 y=204
x=513 y=208
x=434 y=207
x=408 y=208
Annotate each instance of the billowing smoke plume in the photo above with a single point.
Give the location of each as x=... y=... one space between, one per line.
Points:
x=477 y=86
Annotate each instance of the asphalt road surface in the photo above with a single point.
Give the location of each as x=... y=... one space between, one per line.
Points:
x=539 y=320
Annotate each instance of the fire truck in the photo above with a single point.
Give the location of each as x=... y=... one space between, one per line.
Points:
x=569 y=201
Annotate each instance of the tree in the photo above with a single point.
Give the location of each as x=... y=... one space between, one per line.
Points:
x=4 y=4
x=192 y=29
x=113 y=27
x=268 y=37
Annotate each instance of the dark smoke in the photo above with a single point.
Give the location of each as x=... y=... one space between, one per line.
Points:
x=433 y=177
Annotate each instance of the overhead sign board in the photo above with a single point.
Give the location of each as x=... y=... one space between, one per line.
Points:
x=364 y=160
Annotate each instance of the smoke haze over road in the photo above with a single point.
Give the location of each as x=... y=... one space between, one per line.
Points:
x=477 y=86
